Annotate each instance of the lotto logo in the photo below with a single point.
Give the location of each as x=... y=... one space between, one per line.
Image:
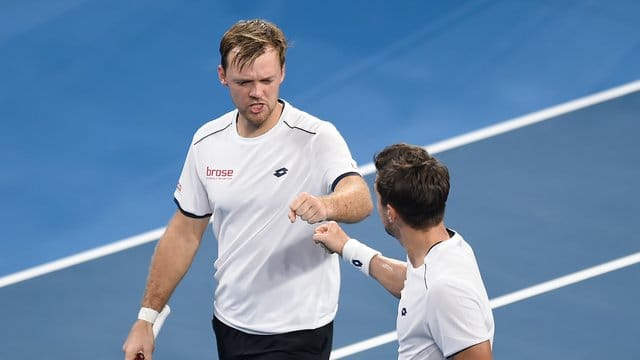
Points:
x=219 y=173
x=280 y=172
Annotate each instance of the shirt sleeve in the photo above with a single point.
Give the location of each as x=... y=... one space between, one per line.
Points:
x=332 y=154
x=455 y=318
x=191 y=194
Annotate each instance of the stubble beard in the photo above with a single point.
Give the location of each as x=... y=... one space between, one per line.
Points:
x=259 y=119
x=389 y=229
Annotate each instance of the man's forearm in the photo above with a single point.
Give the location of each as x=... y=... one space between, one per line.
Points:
x=172 y=258
x=390 y=273
x=350 y=202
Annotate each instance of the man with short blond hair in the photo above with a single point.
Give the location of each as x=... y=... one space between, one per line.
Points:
x=253 y=171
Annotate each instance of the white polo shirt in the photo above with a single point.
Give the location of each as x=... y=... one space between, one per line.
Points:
x=444 y=307
x=272 y=277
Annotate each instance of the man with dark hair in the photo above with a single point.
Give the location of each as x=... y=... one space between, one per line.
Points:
x=444 y=311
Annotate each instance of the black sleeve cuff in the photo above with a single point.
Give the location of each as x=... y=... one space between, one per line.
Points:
x=336 y=181
x=188 y=214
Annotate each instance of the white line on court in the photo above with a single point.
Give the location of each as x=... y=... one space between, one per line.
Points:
x=367 y=169
x=505 y=300
x=523 y=121
x=84 y=256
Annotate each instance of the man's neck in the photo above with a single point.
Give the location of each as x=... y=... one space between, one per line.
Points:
x=418 y=243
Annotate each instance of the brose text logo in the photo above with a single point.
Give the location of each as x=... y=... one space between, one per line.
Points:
x=222 y=174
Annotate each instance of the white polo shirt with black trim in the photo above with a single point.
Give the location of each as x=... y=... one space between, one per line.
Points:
x=444 y=307
x=272 y=278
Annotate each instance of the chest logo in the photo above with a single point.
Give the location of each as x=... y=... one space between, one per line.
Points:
x=403 y=312
x=219 y=174
x=280 y=172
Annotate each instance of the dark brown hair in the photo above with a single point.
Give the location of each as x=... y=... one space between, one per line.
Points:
x=415 y=183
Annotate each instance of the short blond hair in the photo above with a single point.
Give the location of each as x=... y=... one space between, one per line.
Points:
x=249 y=39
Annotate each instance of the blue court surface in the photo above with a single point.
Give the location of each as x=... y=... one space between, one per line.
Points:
x=533 y=105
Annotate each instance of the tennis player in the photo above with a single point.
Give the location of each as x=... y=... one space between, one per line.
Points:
x=444 y=310
x=263 y=173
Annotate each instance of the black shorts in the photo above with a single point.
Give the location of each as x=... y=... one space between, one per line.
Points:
x=312 y=344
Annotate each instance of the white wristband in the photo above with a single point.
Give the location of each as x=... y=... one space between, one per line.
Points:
x=358 y=255
x=148 y=315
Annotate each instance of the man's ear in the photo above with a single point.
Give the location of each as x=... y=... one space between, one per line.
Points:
x=222 y=76
x=284 y=71
x=392 y=215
